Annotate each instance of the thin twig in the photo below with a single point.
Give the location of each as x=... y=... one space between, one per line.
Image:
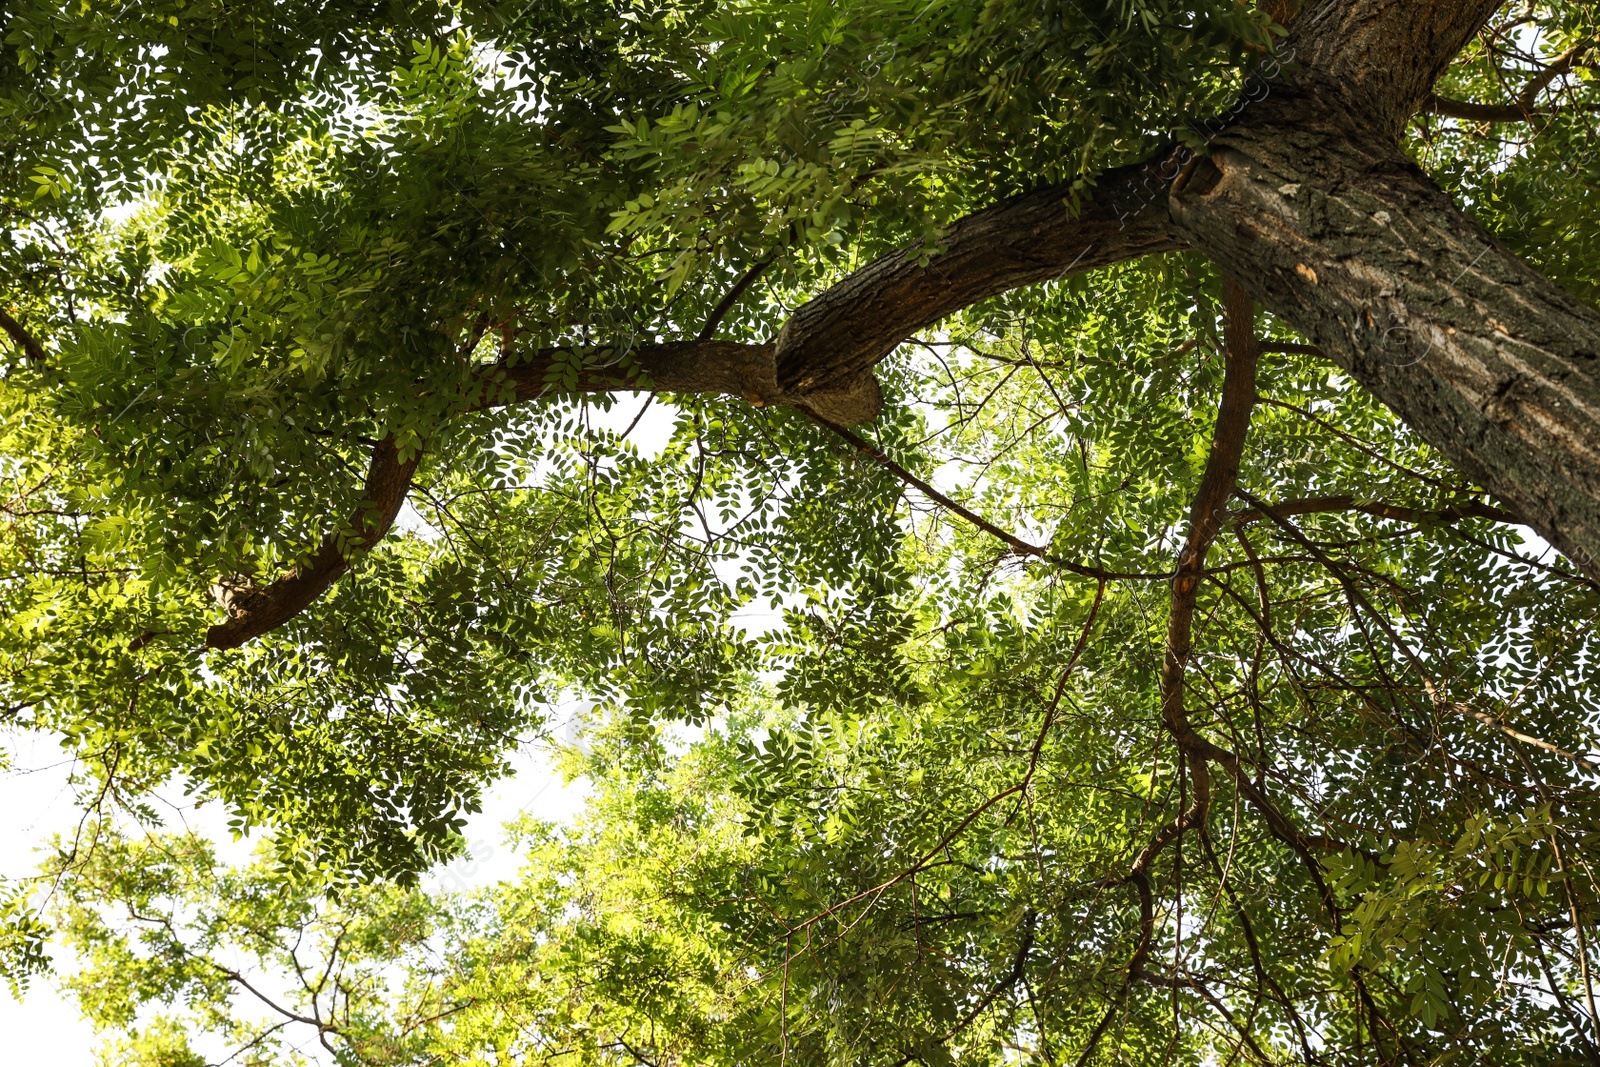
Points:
x=1015 y=543
x=725 y=305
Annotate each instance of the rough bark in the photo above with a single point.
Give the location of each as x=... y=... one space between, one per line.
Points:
x=831 y=344
x=1310 y=203
x=1382 y=57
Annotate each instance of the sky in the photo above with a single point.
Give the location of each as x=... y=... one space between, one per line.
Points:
x=36 y=800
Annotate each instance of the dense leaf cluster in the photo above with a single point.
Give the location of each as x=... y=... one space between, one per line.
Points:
x=871 y=785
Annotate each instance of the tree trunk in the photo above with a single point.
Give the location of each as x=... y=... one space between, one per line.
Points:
x=1310 y=204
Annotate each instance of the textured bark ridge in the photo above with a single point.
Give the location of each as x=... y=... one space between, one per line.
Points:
x=1309 y=202
x=1486 y=360
x=1383 y=56
x=832 y=343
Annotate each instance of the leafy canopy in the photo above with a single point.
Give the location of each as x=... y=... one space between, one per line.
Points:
x=872 y=785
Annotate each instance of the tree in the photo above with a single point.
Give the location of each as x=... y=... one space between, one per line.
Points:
x=1214 y=710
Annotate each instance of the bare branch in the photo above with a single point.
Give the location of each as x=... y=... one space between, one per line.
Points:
x=1208 y=512
x=1468 y=111
x=1012 y=541
x=1206 y=516
x=1517 y=735
x=1523 y=109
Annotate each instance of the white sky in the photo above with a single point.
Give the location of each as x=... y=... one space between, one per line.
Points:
x=37 y=801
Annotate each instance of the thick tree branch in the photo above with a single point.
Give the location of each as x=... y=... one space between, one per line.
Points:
x=1366 y=66
x=1481 y=356
x=252 y=612
x=830 y=344
x=1293 y=347
x=821 y=361
x=24 y=340
x=1209 y=510
x=1207 y=517
x=721 y=367
x=688 y=367
x=823 y=357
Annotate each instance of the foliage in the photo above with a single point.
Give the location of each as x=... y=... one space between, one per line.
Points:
x=871 y=785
